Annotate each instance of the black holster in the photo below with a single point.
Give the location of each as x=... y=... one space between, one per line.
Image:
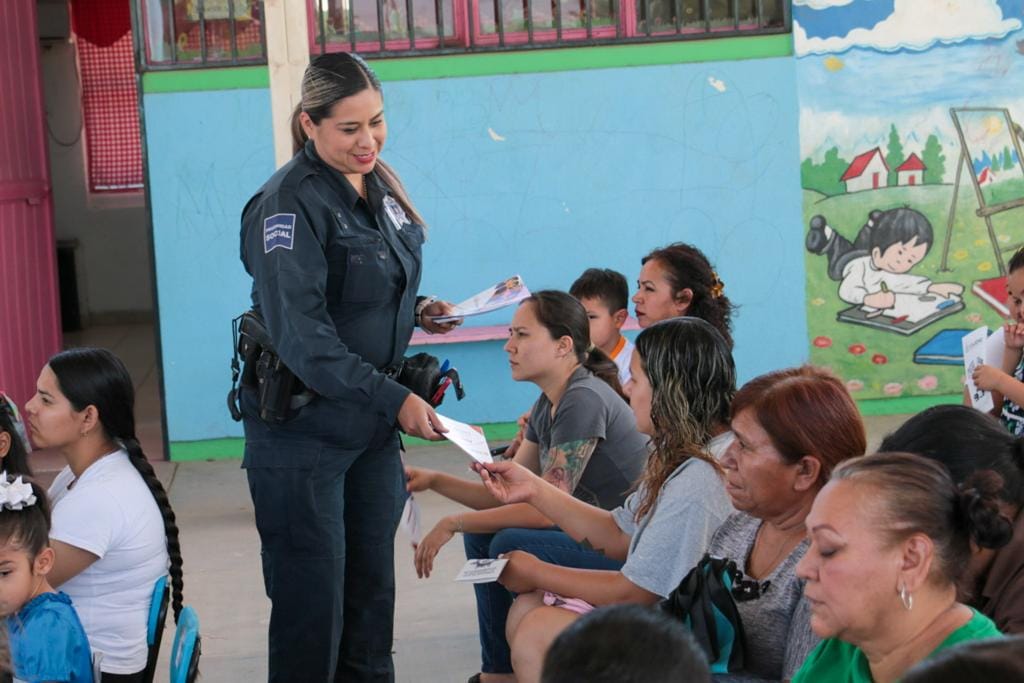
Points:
x=279 y=392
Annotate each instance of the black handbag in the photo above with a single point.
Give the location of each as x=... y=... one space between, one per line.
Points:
x=705 y=601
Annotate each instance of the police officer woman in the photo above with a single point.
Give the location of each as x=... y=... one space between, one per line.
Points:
x=333 y=246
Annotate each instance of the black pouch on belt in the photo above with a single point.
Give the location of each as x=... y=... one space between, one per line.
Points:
x=422 y=375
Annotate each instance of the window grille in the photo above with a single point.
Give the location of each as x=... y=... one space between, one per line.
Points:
x=202 y=33
x=405 y=27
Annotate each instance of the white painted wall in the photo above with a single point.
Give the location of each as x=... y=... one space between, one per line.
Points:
x=113 y=261
x=903 y=177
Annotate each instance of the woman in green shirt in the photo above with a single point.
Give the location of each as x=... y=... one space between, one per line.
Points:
x=890 y=536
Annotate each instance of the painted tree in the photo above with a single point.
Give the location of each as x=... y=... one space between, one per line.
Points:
x=1007 y=159
x=894 y=155
x=997 y=162
x=824 y=177
x=934 y=160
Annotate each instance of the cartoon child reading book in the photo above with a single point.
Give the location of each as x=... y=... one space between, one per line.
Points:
x=876 y=266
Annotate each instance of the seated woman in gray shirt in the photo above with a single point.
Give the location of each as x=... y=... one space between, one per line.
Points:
x=791 y=427
x=581 y=437
x=683 y=380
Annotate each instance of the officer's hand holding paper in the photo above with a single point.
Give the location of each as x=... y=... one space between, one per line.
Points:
x=505 y=293
x=467 y=438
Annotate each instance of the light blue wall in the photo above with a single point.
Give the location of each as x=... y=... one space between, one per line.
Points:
x=208 y=152
x=540 y=174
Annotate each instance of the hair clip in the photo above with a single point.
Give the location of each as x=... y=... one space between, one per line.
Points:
x=717 y=286
x=15 y=495
x=10 y=408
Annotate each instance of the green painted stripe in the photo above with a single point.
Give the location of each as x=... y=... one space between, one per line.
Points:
x=231 y=449
x=194 y=80
x=212 y=449
x=579 y=58
x=491 y=63
x=905 y=405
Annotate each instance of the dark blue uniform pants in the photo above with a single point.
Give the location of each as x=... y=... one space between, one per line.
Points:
x=327 y=508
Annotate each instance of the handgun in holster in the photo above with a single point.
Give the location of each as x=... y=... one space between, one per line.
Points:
x=279 y=392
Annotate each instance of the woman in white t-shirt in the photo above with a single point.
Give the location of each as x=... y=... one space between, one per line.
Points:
x=113 y=530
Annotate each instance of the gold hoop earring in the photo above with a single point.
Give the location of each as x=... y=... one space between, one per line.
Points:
x=906 y=598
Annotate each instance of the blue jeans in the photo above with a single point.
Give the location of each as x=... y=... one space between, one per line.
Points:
x=493 y=601
x=328 y=499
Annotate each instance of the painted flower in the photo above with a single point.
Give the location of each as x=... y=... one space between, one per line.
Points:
x=857 y=349
x=928 y=383
x=985 y=266
x=817 y=301
x=980 y=242
x=823 y=342
x=892 y=389
x=879 y=359
x=854 y=385
x=960 y=254
x=1003 y=238
x=973 y=317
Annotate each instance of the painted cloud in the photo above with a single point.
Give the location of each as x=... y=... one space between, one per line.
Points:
x=822 y=4
x=913 y=25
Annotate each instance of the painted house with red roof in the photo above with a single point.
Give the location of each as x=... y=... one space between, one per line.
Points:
x=911 y=171
x=868 y=171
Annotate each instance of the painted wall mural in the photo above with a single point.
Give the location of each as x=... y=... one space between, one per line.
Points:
x=913 y=186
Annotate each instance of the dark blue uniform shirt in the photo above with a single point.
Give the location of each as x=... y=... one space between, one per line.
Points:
x=335 y=278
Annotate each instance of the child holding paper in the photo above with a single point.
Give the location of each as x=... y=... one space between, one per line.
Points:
x=1007 y=383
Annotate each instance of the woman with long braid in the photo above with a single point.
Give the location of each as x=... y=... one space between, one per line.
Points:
x=113 y=532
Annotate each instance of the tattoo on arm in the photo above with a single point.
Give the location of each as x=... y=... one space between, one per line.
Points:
x=565 y=462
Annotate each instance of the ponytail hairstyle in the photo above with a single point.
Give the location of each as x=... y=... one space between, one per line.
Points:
x=16 y=460
x=915 y=495
x=97 y=377
x=686 y=267
x=562 y=315
x=28 y=528
x=693 y=380
x=328 y=79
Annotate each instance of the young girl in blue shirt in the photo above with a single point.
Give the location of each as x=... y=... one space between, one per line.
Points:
x=47 y=641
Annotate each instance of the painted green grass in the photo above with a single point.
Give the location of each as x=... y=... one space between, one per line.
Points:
x=1004 y=190
x=885 y=368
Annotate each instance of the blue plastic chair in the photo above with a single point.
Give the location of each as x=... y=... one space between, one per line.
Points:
x=187 y=648
x=155 y=626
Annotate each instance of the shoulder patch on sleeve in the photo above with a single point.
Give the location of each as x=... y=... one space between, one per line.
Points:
x=278 y=231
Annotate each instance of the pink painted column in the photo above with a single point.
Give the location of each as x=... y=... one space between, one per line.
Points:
x=29 y=306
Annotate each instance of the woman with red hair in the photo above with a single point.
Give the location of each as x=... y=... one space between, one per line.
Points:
x=792 y=428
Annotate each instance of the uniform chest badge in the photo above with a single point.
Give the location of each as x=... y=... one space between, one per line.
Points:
x=395 y=212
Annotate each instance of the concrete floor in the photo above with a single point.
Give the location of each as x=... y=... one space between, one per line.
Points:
x=435 y=629
x=435 y=620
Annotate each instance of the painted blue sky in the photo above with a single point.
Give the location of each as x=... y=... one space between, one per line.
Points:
x=836 y=26
x=867 y=64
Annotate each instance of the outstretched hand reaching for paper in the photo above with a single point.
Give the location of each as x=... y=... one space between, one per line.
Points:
x=508 y=481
